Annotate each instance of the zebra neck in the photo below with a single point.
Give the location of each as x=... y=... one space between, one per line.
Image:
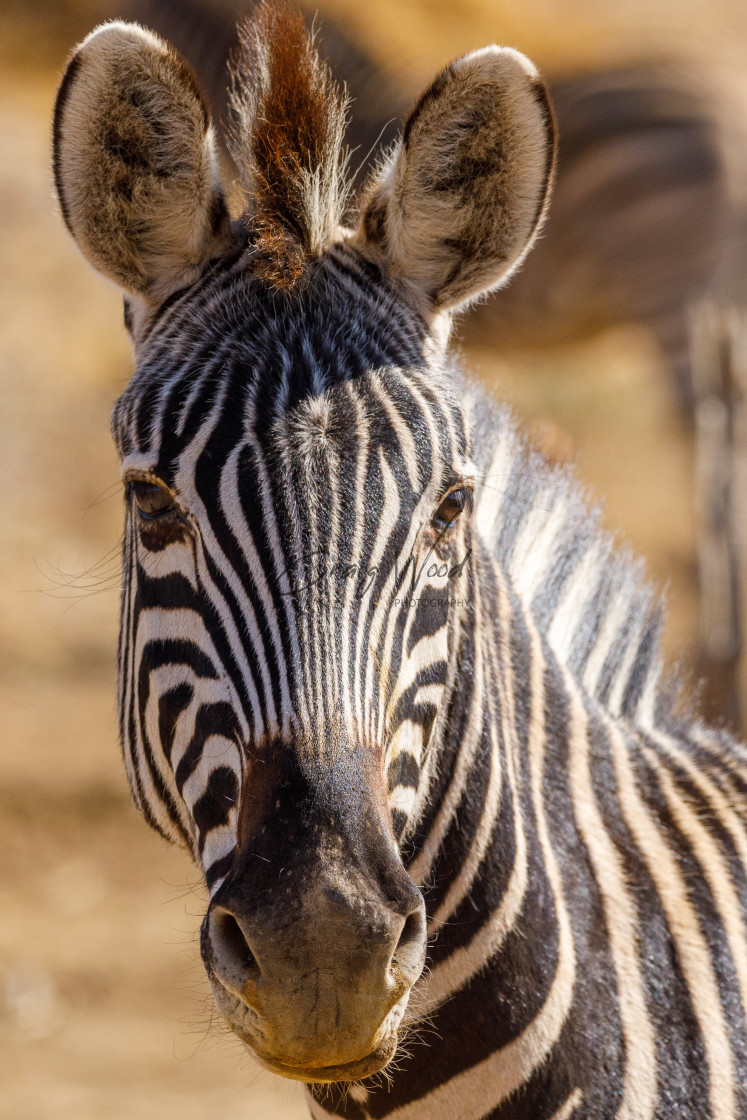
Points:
x=584 y=593
x=473 y=853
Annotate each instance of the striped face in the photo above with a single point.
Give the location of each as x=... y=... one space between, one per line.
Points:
x=293 y=542
x=298 y=489
x=296 y=554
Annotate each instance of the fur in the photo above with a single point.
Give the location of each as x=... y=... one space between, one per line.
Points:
x=327 y=735
x=134 y=162
x=462 y=196
x=287 y=141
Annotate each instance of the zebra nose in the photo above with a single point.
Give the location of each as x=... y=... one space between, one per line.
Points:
x=408 y=957
x=243 y=951
x=227 y=948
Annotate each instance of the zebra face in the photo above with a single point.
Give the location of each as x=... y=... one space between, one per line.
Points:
x=296 y=462
x=298 y=555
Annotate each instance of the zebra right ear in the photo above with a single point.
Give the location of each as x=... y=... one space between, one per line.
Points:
x=135 y=164
x=465 y=191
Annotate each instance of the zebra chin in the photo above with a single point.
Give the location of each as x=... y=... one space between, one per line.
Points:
x=315 y=1063
x=325 y=1025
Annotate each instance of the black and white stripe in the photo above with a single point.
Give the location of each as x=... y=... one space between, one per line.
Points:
x=581 y=847
x=381 y=671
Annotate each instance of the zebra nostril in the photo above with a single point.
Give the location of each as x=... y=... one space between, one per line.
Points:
x=410 y=951
x=232 y=956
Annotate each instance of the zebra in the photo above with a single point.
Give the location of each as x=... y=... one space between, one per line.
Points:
x=381 y=671
x=648 y=226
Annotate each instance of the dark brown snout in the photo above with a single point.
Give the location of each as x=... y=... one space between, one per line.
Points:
x=313 y=942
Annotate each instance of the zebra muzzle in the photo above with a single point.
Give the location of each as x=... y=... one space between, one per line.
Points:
x=315 y=973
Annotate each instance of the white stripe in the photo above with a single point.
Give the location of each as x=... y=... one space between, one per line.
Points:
x=688 y=940
x=640 y=1094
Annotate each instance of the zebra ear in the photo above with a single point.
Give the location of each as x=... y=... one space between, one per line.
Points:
x=464 y=192
x=135 y=164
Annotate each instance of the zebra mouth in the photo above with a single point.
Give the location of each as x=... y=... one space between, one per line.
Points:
x=347 y=1071
x=249 y=1027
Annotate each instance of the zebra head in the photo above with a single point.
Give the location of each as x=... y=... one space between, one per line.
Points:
x=296 y=455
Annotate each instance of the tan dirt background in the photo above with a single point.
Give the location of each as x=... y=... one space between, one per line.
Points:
x=104 y=1011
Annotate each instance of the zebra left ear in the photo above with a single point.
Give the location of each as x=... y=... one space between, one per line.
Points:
x=465 y=191
x=135 y=164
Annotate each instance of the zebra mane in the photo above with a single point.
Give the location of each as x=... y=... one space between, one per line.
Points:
x=587 y=595
x=287 y=125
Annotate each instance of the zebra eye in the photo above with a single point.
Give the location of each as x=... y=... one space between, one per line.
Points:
x=455 y=502
x=152 y=501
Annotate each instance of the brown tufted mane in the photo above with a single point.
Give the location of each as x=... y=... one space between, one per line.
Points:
x=288 y=120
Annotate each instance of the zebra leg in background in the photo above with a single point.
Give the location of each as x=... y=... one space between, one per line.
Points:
x=718 y=339
x=672 y=330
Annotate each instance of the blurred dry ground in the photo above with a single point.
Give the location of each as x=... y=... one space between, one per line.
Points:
x=104 y=1012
